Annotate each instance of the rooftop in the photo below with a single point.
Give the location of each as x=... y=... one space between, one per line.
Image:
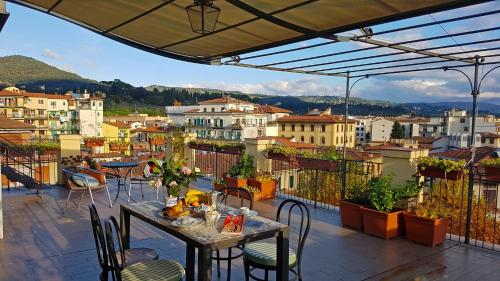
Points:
x=482 y=153
x=9 y=124
x=121 y=125
x=314 y=119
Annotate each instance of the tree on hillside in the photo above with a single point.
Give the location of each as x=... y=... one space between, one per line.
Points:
x=398 y=132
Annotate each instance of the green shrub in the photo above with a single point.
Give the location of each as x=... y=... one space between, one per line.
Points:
x=383 y=196
x=244 y=168
x=491 y=162
x=443 y=164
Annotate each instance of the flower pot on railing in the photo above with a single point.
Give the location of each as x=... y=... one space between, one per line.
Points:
x=267 y=188
x=157 y=141
x=382 y=224
x=201 y=146
x=139 y=146
x=118 y=147
x=90 y=143
x=435 y=172
x=317 y=164
x=350 y=214
x=235 y=182
x=231 y=150
x=48 y=152
x=281 y=157
x=492 y=173
x=426 y=231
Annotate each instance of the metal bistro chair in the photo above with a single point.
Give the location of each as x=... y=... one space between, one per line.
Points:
x=132 y=256
x=242 y=194
x=263 y=254
x=84 y=180
x=142 y=174
x=151 y=270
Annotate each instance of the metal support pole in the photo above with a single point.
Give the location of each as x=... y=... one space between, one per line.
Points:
x=344 y=150
x=472 y=143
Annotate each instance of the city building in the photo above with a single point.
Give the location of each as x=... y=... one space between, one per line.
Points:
x=115 y=132
x=139 y=120
x=178 y=113
x=232 y=119
x=89 y=112
x=490 y=139
x=318 y=128
x=381 y=129
x=457 y=122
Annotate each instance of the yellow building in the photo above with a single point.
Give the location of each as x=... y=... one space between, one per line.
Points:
x=116 y=132
x=322 y=130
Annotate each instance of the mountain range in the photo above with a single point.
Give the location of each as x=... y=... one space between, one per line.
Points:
x=121 y=98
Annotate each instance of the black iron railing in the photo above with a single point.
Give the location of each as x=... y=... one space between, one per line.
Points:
x=214 y=164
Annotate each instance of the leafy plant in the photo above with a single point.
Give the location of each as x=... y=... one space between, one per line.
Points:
x=174 y=174
x=491 y=162
x=92 y=164
x=383 y=196
x=443 y=164
x=119 y=142
x=244 y=168
x=250 y=189
x=431 y=210
x=330 y=154
x=358 y=194
x=220 y=181
x=263 y=177
x=156 y=136
x=280 y=149
x=219 y=145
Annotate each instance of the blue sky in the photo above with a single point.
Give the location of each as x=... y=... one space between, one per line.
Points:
x=75 y=49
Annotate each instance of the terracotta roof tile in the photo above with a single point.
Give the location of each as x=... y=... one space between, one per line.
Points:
x=121 y=125
x=489 y=135
x=315 y=119
x=9 y=124
x=272 y=109
x=483 y=152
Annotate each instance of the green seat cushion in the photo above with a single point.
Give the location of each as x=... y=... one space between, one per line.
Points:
x=155 y=270
x=265 y=254
x=82 y=179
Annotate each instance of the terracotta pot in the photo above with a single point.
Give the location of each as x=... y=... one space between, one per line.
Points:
x=235 y=182
x=267 y=188
x=434 y=172
x=157 y=141
x=219 y=187
x=381 y=224
x=492 y=173
x=231 y=150
x=350 y=215
x=118 y=147
x=317 y=164
x=426 y=231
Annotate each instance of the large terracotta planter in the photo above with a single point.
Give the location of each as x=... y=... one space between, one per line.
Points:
x=267 y=189
x=350 y=215
x=235 y=182
x=434 y=172
x=380 y=224
x=317 y=164
x=157 y=141
x=426 y=231
x=492 y=173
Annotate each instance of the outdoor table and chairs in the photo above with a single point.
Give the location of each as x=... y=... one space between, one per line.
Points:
x=120 y=170
x=209 y=239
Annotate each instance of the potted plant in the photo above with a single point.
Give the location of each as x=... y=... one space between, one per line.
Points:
x=93 y=141
x=156 y=139
x=118 y=145
x=327 y=161
x=281 y=153
x=46 y=147
x=219 y=184
x=350 y=207
x=174 y=175
x=434 y=167
x=230 y=147
x=240 y=172
x=428 y=223
x=381 y=219
x=139 y=146
x=201 y=145
x=265 y=184
x=492 y=169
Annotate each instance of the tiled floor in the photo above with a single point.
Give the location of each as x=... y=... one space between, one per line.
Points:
x=42 y=243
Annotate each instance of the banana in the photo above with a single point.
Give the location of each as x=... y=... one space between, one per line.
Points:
x=194 y=192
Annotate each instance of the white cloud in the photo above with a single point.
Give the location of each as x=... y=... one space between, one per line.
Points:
x=48 y=53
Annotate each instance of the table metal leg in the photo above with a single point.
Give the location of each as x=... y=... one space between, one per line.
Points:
x=125 y=228
x=190 y=262
x=117 y=174
x=204 y=264
x=282 y=256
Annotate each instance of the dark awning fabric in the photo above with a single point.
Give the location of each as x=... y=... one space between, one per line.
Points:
x=162 y=26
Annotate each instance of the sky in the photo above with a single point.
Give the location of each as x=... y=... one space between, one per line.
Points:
x=71 y=48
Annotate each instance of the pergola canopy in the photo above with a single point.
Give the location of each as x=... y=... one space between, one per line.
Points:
x=162 y=26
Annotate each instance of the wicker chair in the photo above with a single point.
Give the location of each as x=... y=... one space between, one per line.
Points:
x=85 y=180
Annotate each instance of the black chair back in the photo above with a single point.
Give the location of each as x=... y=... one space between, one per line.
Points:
x=304 y=216
x=240 y=193
x=100 y=242
x=116 y=267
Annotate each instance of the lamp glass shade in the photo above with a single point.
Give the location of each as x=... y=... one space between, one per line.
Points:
x=203 y=16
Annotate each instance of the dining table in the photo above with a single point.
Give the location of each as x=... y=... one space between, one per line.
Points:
x=207 y=239
x=117 y=168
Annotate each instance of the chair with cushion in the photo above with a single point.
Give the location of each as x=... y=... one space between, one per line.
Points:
x=262 y=255
x=85 y=180
x=151 y=270
x=232 y=194
x=132 y=256
x=143 y=174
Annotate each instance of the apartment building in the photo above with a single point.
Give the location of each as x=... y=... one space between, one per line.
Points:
x=177 y=113
x=115 y=132
x=381 y=129
x=139 y=120
x=233 y=119
x=455 y=122
x=317 y=128
x=52 y=114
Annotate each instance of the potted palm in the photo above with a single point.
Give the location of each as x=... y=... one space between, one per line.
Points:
x=382 y=219
x=434 y=167
x=350 y=207
x=428 y=223
x=492 y=169
x=265 y=184
x=240 y=172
